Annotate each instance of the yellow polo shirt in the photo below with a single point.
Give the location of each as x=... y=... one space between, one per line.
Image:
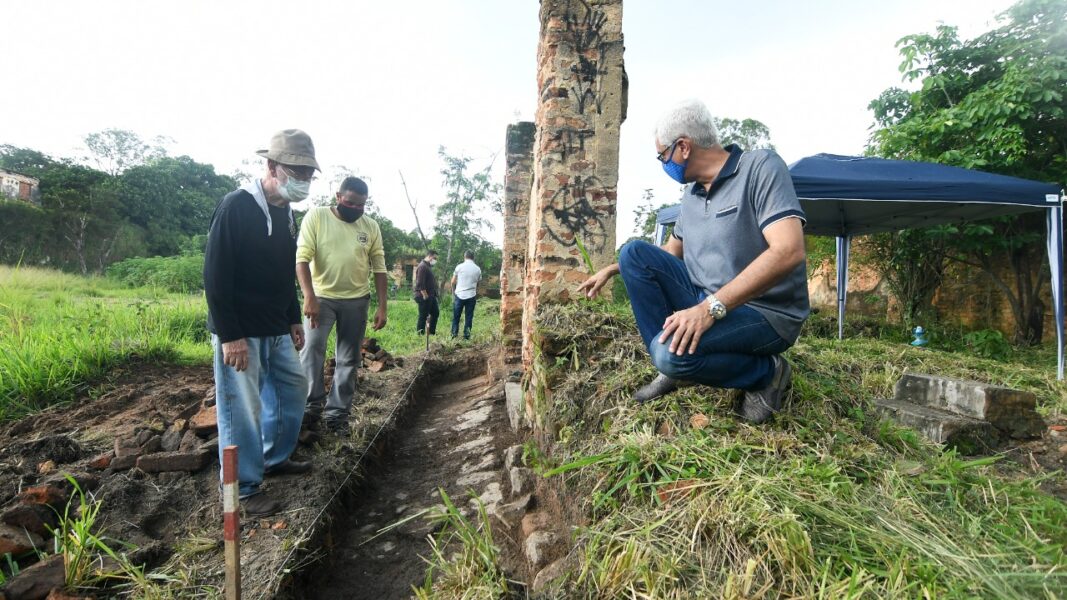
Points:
x=341 y=255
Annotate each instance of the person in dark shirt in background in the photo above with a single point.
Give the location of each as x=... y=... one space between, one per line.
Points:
x=255 y=320
x=426 y=294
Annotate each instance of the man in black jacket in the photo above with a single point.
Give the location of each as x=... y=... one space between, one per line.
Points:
x=254 y=318
x=426 y=294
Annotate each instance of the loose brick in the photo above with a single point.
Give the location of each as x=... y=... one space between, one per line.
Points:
x=38 y=580
x=36 y=518
x=127 y=445
x=173 y=461
x=122 y=463
x=205 y=421
x=43 y=494
x=17 y=542
x=101 y=461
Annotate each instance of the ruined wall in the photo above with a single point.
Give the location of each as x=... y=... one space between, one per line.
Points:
x=967 y=298
x=518 y=181
x=581 y=84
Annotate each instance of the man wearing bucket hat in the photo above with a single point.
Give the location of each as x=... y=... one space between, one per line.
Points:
x=255 y=321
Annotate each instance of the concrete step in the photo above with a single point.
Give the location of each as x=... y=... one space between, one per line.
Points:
x=1010 y=411
x=968 y=435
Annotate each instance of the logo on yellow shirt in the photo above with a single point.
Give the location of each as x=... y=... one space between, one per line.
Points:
x=362 y=237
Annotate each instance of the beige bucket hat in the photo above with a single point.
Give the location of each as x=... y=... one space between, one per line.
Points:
x=291 y=147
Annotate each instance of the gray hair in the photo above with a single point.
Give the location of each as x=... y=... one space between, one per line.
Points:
x=689 y=118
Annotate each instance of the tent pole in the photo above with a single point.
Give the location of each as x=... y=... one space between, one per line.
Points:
x=843 y=243
x=1055 y=261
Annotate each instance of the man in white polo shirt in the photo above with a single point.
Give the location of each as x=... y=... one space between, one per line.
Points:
x=727 y=294
x=465 y=294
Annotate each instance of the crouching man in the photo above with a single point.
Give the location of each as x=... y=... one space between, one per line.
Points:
x=726 y=295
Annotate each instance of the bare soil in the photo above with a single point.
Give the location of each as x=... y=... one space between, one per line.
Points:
x=455 y=441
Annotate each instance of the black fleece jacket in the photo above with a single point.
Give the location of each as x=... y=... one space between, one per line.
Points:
x=250 y=278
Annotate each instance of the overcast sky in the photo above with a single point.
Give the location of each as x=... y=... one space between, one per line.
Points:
x=381 y=85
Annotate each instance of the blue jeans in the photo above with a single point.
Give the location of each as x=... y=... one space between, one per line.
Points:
x=734 y=353
x=260 y=409
x=467 y=308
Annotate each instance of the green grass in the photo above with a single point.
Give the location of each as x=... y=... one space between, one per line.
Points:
x=59 y=333
x=826 y=501
x=399 y=336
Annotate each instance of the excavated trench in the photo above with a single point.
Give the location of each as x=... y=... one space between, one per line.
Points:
x=453 y=434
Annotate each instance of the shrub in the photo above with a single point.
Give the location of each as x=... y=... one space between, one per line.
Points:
x=173 y=273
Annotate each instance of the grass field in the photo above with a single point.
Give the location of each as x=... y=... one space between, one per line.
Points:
x=60 y=333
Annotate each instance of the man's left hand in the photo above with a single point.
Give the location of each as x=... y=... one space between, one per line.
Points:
x=297 y=333
x=380 y=318
x=687 y=326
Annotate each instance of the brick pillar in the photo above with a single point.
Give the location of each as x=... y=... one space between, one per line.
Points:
x=517 y=182
x=582 y=86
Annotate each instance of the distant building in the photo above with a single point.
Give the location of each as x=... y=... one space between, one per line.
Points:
x=19 y=187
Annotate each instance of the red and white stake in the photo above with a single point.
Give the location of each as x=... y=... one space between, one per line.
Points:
x=231 y=523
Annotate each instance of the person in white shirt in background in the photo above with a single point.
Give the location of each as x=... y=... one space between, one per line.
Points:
x=465 y=293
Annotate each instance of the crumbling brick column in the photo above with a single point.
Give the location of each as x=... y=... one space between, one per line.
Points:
x=517 y=183
x=582 y=104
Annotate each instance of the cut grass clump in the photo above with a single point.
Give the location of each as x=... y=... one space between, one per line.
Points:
x=683 y=500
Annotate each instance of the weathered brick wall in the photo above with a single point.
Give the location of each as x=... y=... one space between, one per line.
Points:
x=966 y=297
x=518 y=181
x=582 y=104
x=581 y=84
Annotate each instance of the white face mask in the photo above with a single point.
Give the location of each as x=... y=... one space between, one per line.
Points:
x=291 y=189
x=433 y=261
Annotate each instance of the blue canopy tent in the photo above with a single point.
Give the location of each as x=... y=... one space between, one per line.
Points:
x=846 y=196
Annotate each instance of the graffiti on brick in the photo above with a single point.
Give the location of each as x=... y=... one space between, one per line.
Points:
x=574 y=215
x=569 y=141
x=584 y=28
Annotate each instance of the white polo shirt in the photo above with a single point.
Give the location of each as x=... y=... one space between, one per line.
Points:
x=467 y=276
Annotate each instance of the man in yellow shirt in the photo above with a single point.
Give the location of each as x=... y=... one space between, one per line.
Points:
x=338 y=249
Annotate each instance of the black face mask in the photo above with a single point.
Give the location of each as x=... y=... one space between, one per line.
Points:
x=348 y=214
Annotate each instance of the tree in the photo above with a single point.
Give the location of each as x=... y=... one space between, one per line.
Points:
x=458 y=225
x=994 y=103
x=749 y=134
x=171 y=199
x=115 y=150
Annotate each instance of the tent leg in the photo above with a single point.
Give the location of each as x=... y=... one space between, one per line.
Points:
x=1055 y=261
x=843 y=243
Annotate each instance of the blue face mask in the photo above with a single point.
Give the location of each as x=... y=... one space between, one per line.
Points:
x=674 y=170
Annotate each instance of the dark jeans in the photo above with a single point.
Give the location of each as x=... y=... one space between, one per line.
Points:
x=427 y=308
x=734 y=353
x=467 y=308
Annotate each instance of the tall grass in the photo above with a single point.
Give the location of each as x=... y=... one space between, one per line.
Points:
x=59 y=332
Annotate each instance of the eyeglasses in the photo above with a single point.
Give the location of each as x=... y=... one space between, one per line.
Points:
x=299 y=173
x=664 y=156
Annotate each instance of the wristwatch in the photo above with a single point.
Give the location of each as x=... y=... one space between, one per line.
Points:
x=716 y=308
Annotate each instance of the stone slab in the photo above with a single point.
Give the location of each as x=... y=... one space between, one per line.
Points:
x=963 y=433
x=1011 y=411
x=516 y=405
x=537 y=546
